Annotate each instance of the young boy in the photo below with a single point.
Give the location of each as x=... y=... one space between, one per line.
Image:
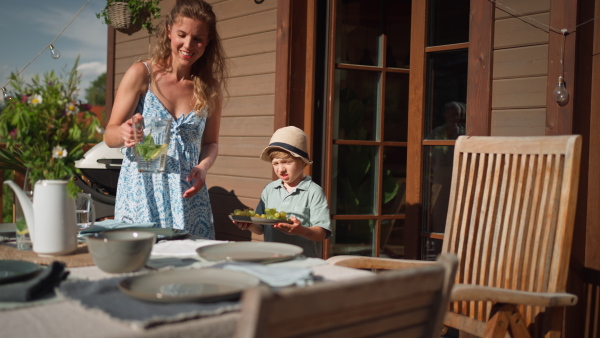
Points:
x=295 y=193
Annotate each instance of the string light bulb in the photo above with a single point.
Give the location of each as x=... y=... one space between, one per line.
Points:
x=5 y=94
x=561 y=95
x=54 y=52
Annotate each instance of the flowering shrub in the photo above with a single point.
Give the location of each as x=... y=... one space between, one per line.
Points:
x=45 y=127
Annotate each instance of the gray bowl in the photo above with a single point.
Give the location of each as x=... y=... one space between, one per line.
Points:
x=120 y=251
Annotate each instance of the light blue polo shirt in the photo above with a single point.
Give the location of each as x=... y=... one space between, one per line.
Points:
x=306 y=202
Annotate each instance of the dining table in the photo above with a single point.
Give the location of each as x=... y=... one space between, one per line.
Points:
x=81 y=306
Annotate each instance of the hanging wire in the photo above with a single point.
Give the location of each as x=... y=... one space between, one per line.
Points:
x=521 y=17
x=48 y=45
x=562 y=51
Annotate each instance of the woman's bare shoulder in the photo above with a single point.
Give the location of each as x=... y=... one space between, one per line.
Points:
x=136 y=77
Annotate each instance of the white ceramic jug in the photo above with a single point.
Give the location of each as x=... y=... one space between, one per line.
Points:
x=50 y=218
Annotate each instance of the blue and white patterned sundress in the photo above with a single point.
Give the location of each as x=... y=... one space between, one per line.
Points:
x=158 y=198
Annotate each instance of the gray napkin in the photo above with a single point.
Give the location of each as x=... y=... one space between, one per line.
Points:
x=109 y=224
x=273 y=275
x=104 y=295
x=39 y=286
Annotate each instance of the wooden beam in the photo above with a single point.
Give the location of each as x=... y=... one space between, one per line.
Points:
x=561 y=61
x=479 y=77
x=416 y=133
x=110 y=71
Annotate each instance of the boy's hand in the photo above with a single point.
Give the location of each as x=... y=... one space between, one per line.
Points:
x=290 y=229
x=254 y=228
x=242 y=225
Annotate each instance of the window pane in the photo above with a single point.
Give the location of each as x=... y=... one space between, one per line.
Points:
x=354 y=179
x=352 y=237
x=431 y=249
x=437 y=178
x=356 y=105
x=392 y=238
x=448 y=22
x=358 y=32
x=396 y=107
x=394 y=181
x=447 y=90
x=397 y=29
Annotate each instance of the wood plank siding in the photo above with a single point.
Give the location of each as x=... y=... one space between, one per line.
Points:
x=520 y=68
x=248 y=33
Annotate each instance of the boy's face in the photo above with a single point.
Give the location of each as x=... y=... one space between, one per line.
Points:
x=289 y=169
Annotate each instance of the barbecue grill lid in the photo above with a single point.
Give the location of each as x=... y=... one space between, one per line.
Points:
x=99 y=157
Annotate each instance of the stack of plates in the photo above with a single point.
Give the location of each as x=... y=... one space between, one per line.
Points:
x=7 y=231
x=15 y=270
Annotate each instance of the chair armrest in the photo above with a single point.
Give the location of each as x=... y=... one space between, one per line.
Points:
x=362 y=262
x=468 y=292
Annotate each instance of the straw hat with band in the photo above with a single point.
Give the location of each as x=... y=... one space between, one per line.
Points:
x=291 y=139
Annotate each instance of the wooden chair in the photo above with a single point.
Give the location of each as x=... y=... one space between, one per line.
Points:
x=407 y=303
x=510 y=222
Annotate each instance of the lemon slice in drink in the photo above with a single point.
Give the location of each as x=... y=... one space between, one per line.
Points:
x=22 y=232
x=158 y=151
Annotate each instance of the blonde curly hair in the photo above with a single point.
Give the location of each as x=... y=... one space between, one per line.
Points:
x=210 y=71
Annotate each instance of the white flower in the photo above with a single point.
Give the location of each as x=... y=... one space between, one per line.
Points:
x=59 y=152
x=72 y=108
x=35 y=99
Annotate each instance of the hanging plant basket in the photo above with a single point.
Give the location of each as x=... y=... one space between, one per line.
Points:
x=123 y=20
x=130 y=16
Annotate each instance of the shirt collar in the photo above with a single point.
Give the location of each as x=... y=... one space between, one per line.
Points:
x=303 y=185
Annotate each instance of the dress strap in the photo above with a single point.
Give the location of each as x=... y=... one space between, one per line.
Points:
x=149 y=74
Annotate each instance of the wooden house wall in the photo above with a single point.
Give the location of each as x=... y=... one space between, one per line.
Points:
x=248 y=34
x=520 y=68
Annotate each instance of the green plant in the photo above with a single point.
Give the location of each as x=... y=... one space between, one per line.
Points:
x=141 y=10
x=149 y=150
x=45 y=128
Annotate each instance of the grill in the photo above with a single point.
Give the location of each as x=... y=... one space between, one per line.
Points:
x=100 y=167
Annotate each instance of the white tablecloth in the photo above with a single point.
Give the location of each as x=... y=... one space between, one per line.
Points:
x=64 y=318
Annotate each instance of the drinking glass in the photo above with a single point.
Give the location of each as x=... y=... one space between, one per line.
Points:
x=84 y=211
x=151 y=149
x=22 y=233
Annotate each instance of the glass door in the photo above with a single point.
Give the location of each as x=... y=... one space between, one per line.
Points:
x=368 y=126
x=380 y=150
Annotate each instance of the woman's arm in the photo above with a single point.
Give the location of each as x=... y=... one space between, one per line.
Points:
x=119 y=131
x=209 y=151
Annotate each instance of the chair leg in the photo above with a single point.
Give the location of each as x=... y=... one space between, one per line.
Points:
x=505 y=318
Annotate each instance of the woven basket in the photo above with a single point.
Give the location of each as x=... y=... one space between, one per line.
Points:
x=122 y=19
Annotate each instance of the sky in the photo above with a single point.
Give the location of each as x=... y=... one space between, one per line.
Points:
x=27 y=26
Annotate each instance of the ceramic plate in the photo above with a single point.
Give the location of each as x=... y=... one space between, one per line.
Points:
x=188 y=285
x=261 y=252
x=257 y=220
x=164 y=233
x=161 y=233
x=8 y=229
x=13 y=270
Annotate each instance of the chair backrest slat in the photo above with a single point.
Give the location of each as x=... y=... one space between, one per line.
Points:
x=511 y=213
x=401 y=303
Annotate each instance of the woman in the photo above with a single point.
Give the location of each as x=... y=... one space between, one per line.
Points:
x=182 y=80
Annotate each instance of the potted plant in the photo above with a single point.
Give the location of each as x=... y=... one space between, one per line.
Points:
x=45 y=128
x=129 y=16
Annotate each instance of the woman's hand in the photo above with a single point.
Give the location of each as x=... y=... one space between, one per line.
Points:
x=127 y=130
x=199 y=177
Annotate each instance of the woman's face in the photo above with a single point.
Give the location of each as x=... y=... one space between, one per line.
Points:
x=189 y=39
